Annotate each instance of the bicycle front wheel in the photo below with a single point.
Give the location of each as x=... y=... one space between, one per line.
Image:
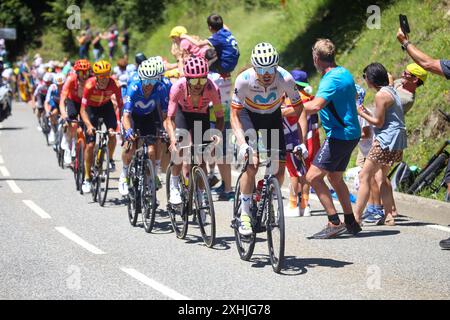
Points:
x=79 y=166
x=204 y=208
x=178 y=213
x=275 y=224
x=148 y=196
x=244 y=244
x=103 y=176
x=134 y=196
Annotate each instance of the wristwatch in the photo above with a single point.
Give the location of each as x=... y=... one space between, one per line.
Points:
x=405 y=44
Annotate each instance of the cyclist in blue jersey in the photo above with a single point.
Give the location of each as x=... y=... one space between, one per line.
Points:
x=143 y=103
x=52 y=103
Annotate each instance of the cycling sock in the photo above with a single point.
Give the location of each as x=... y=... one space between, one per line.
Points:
x=157 y=166
x=246 y=201
x=349 y=218
x=174 y=181
x=124 y=171
x=334 y=219
x=304 y=200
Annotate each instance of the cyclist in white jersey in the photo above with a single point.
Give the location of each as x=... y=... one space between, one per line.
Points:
x=256 y=107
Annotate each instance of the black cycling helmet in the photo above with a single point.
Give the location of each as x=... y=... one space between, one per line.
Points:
x=139 y=58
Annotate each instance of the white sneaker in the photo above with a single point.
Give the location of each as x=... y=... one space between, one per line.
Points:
x=51 y=137
x=86 y=187
x=39 y=128
x=67 y=157
x=307 y=211
x=175 y=196
x=123 y=186
x=292 y=212
x=245 y=227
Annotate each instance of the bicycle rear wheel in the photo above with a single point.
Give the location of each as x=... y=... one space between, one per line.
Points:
x=275 y=225
x=204 y=211
x=103 y=176
x=178 y=213
x=244 y=244
x=148 y=196
x=134 y=196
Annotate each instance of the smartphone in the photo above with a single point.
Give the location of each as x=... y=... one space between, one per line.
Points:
x=404 y=25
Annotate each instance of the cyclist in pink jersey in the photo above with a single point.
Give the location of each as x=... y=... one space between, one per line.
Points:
x=189 y=100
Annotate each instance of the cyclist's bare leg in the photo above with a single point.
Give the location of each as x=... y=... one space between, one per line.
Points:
x=315 y=178
x=54 y=116
x=126 y=156
x=112 y=145
x=280 y=173
x=88 y=159
x=248 y=177
x=152 y=153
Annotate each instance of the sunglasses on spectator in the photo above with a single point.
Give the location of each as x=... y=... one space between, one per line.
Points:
x=152 y=82
x=197 y=81
x=263 y=71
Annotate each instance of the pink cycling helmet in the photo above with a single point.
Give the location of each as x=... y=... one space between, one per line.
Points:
x=196 y=67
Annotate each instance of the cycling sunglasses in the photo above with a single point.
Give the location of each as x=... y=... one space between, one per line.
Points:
x=82 y=73
x=103 y=76
x=151 y=82
x=197 y=81
x=263 y=71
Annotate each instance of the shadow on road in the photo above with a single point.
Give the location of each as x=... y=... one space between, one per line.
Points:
x=12 y=128
x=294 y=266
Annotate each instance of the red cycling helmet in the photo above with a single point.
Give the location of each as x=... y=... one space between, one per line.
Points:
x=82 y=65
x=196 y=67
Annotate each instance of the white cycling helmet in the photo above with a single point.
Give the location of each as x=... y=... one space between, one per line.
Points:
x=264 y=55
x=48 y=77
x=59 y=78
x=151 y=68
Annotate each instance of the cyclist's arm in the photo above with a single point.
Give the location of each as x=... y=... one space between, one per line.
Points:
x=236 y=107
x=303 y=123
x=175 y=94
x=48 y=98
x=83 y=113
x=62 y=101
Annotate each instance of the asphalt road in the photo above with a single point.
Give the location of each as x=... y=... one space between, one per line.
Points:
x=58 y=244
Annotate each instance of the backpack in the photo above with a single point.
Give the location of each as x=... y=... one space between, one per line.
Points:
x=402 y=176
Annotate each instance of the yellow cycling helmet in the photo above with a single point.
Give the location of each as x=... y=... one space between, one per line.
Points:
x=101 y=67
x=177 y=31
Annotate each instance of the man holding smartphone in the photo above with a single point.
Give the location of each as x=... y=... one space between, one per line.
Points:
x=439 y=67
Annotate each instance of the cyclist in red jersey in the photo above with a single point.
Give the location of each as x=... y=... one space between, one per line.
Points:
x=70 y=102
x=96 y=103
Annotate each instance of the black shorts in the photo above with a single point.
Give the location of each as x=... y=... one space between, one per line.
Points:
x=334 y=154
x=106 y=112
x=147 y=124
x=267 y=125
x=40 y=101
x=73 y=109
x=192 y=122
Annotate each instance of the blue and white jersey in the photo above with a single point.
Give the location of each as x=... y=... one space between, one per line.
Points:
x=53 y=95
x=136 y=103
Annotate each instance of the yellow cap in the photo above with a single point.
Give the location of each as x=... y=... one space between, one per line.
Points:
x=177 y=31
x=417 y=71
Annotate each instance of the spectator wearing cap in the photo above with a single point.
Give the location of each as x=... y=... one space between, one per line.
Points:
x=412 y=78
x=309 y=125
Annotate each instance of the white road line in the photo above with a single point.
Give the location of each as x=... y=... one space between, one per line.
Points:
x=4 y=171
x=72 y=236
x=437 y=227
x=12 y=184
x=1 y=160
x=154 y=284
x=33 y=206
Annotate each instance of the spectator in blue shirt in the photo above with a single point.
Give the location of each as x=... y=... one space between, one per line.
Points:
x=335 y=102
